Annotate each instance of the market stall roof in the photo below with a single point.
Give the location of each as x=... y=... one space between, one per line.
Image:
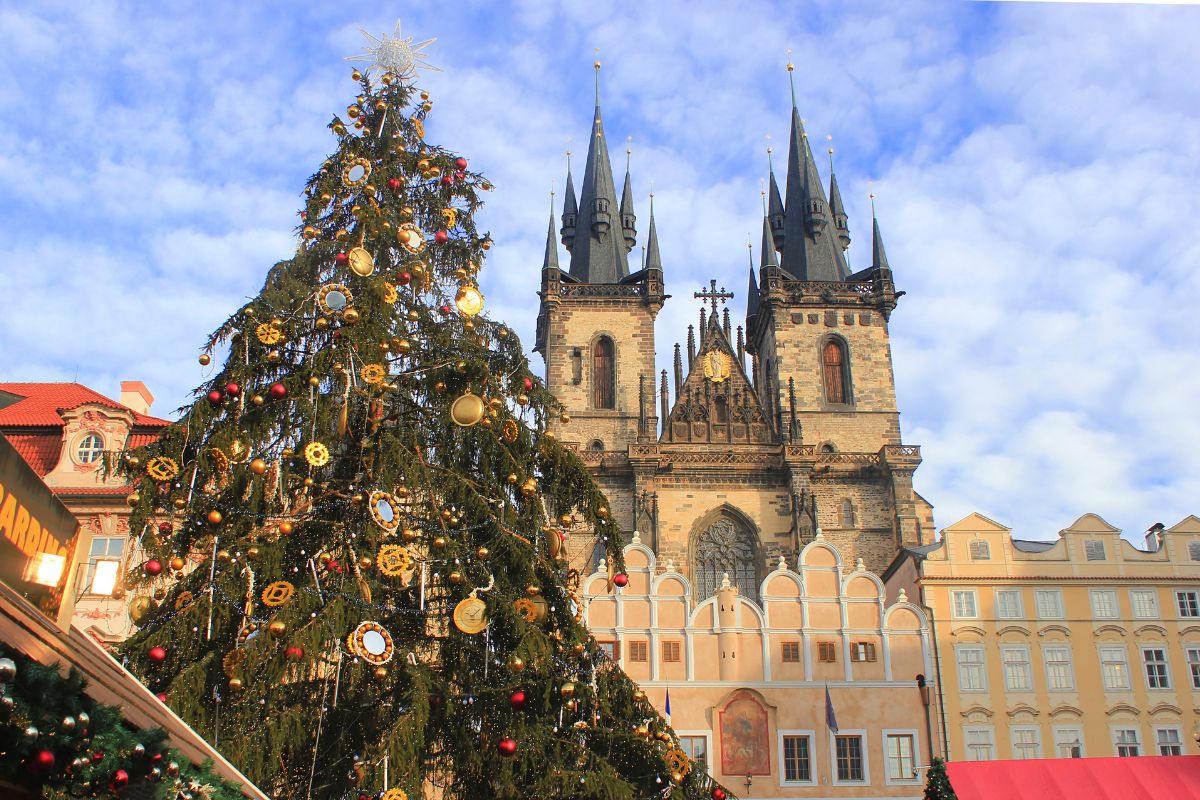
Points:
x=1142 y=778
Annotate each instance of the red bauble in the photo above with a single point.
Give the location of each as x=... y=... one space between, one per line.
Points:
x=341 y=259
x=43 y=762
x=97 y=756
x=162 y=697
x=459 y=176
x=620 y=579
x=153 y=566
x=394 y=184
x=444 y=309
x=157 y=654
x=517 y=698
x=404 y=279
x=460 y=162
x=718 y=793
x=120 y=779
x=447 y=180
x=278 y=391
x=507 y=746
x=164 y=528
x=441 y=237
x=527 y=383
x=215 y=397
x=294 y=653
x=232 y=389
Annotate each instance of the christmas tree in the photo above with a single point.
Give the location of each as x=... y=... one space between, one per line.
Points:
x=937 y=785
x=355 y=580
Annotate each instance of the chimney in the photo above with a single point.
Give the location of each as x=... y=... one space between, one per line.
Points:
x=1154 y=537
x=136 y=397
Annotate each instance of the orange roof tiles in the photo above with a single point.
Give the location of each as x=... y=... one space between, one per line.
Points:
x=41 y=403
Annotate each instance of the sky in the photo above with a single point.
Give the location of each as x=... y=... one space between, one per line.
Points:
x=1035 y=169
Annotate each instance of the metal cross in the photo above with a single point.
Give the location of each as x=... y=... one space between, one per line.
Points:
x=712 y=295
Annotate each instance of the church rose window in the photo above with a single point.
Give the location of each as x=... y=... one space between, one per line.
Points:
x=726 y=547
x=833 y=356
x=604 y=387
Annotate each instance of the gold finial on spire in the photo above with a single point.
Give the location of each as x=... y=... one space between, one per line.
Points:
x=791 y=68
x=872 y=197
x=596 y=66
x=568 y=155
x=770 y=164
x=628 y=151
x=762 y=190
x=829 y=138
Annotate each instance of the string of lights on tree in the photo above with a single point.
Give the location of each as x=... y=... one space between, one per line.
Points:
x=356 y=583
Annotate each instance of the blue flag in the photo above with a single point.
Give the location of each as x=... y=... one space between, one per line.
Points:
x=830 y=717
x=667 y=707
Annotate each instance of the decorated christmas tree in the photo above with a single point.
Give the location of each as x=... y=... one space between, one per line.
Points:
x=937 y=785
x=355 y=582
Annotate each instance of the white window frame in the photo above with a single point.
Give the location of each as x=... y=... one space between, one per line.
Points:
x=981 y=664
x=1066 y=648
x=1028 y=667
x=94 y=559
x=1037 y=740
x=1195 y=595
x=1037 y=602
x=1193 y=661
x=1151 y=610
x=811 y=735
x=1158 y=745
x=95 y=454
x=707 y=736
x=1110 y=594
x=1165 y=663
x=991 y=735
x=955 y=594
x=1137 y=732
x=1058 y=732
x=1020 y=605
x=916 y=757
x=1124 y=662
x=861 y=733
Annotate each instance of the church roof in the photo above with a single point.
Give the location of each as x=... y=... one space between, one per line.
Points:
x=598 y=253
x=811 y=249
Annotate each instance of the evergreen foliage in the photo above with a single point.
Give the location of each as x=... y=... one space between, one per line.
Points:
x=377 y=446
x=937 y=785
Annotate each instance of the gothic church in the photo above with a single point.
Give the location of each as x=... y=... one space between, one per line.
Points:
x=762 y=437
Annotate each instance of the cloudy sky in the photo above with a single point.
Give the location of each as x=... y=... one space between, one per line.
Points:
x=1035 y=166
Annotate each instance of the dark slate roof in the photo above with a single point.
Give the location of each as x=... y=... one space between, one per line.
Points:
x=1032 y=546
x=653 y=259
x=598 y=257
x=550 y=261
x=815 y=256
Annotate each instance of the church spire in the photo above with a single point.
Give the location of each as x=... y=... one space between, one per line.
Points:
x=878 y=255
x=836 y=208
x=811 y=252
x=598 y=254
x=550 y=262
x=752 y=300
x=774 y=208
x=628 y=218
x=653 y=258
x=570 y=210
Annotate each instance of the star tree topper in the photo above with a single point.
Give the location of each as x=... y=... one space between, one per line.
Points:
x=395 y=54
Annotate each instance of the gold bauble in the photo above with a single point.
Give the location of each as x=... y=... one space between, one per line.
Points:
x=439 y=387
x=410 y=535
x=566 y=520
x=278 y=629
x=309 y=481
x=423 y=164
x=350 y=315
x=252 y=551
x=522 y=399
x=455 y=577
x=565 y=418
x=663 y=736
x=274 y=356
x=424 y=95
x=529 y=487
x=381 y=672
x=516 y=664
x=387 y=79
x=369 y=188
x=321 y=323
x=339 y=129
x=356 y=75
x=414 y=316
x=326 y=198
x=578 y=649
x=133 y=499
x=512 y=478
x=483 y=553
x=639 y=695
x=224 y=555
x=178 y=563
x=342 y=235
x=439 y=542
x=403 y=347
x=532 y=591
x=602 y=512
x=642 y=730
x=469 y=301
x=179 y=502
x=258 y=466
x=365 y=563
x=353 y=111
x=357 y=499
x=140 y=609
x=235 y=683
x=380 y=105
x=258 y=399
x=314 y=381
x=214 y=517
x=134 y=461
x=573 y=705
x=309 y=232
x=205 y=359
x=467 y=410
x=286 y=527
x=567 y=689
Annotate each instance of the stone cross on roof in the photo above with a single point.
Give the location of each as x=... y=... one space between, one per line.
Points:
x=712 y=295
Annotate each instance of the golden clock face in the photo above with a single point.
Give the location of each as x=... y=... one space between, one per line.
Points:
x=362 y=263
x=718 y=366
x=470 y=616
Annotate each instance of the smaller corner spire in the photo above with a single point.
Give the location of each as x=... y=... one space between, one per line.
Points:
x=570 y=212
x=628 y=217
x=879 y=260
x=774 y=210
x=550 y=261
x=837 y=208
x=653 y=257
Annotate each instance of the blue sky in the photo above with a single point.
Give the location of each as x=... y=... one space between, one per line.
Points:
x=1035 y=167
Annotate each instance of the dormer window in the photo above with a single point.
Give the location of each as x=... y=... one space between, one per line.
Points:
x=89 y=448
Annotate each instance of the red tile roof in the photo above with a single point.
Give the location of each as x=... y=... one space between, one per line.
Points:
x=92 y=491
x=41 y=403
x=40 y=450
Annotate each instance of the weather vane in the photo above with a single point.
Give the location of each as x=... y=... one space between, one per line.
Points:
x=395 y=54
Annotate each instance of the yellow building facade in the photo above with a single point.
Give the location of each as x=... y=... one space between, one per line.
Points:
x=1082 y=646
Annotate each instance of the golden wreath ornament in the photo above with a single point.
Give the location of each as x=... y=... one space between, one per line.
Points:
x=233 y=659
x=371 y=642
x=451 y=216
x=277 y=593
x=348 y=179
x=678 y=763
x=380 y=500
x=526 y=608
x=393 y=560
x=316 y=454
x=269 y=332
x=372 y=374
x=336 y=289
x=161 y=468
x=390 y=295
x=509 y=431
x=219 y=461
x=419 y=126
x=395 y=794
x=183 y=600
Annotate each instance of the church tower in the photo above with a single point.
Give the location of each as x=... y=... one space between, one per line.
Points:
x=595 y=326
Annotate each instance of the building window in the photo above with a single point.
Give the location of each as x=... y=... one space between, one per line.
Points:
x=670 y=651
x=104 y=564
x=1093 y=549
x=1155 y=661
x=797 y=759
x=597 y=446
x=611 y=649
x=964 y=604
x=720 y=410
x=603 y=374
x=827 y=652
x=900 y=763
x=849 y=750
x=726 y=547
x=1104 y=604
x=981 y=745
x=1068 y=742
x=1189 y=603
x=1049 y=603
x=1059 y=676
x=1193 y=659
x=862 y=651
x=849 y=519
x=696 y=748
x=1144 y=602
x=791 y=652
x=980 y=551
x=1194 y=551
x=1018 y=676
x=1114 y=666
x=1026 y=743
x=638 y=651
x=1169 y=741
x=1126 y=741
x=1008 y=604
x=837 y=371
x=972 y=675
x=89 y=449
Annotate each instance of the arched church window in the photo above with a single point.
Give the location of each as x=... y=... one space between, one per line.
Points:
x=828 y=448
x=603 y=374
x=597 y=446
x=848 y=517
x=837 y=371
x=720 y=411
x=727 y=547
